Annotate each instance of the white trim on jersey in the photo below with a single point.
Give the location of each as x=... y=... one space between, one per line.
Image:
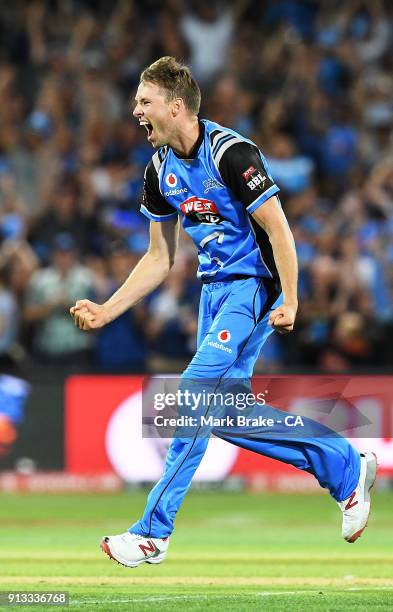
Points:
x=225 y=147
x=156 y=162
x=218 y=137
x=216 y=157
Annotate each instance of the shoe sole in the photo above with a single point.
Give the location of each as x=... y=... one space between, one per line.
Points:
x=156 y=560
x=371 y=476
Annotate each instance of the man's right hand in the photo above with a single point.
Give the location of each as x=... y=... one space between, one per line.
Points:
x=88 y=315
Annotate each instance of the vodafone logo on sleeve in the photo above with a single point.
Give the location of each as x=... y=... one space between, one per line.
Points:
x=224 y=335
x=171 y=180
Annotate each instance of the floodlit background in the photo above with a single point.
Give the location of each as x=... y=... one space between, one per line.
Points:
x=311 y=82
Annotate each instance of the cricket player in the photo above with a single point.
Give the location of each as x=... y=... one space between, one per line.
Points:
x=218 y=183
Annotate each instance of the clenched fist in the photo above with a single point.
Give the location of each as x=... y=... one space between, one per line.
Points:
x=88 y=315
x=282 y=319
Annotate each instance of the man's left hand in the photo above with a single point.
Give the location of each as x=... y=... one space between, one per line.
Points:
x=282 y=319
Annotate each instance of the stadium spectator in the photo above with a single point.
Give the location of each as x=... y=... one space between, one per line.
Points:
x=172 y=322
x=208 y=30
x=122 y=345
x=64 y=214
x=311 y=82
x=51 y=290
x=9 y=323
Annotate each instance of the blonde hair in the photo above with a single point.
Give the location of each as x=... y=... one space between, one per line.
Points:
x=176 y=79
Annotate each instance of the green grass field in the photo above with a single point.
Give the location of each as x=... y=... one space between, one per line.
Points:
x=233 y=550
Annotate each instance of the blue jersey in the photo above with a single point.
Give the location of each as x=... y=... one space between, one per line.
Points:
x=215 y=192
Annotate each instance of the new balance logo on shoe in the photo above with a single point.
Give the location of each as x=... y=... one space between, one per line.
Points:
x=349 y=503
x=151 y=548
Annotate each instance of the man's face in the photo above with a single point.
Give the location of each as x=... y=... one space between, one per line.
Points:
x=154 y=112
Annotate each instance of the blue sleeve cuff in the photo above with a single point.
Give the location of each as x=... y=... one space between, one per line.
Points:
x=152 y=217
x=262 y=198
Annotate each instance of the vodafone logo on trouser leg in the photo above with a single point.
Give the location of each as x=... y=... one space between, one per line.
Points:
x=224 y=335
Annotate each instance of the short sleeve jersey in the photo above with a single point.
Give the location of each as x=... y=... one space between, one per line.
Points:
x=215 y=192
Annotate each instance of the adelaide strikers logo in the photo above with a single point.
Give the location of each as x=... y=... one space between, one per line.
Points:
x=224 y=335
x=171 y=180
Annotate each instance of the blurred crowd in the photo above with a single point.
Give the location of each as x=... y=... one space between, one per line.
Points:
x=311 y=81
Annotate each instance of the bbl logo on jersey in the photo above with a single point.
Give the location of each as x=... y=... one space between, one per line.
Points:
x=201 y=210
x=254 y=178
x=224 y=335
x=171 y=180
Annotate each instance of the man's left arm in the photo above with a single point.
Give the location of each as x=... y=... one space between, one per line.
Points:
x=244 y=170
x=271 y=218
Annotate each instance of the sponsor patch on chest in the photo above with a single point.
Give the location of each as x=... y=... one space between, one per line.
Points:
x=201 y=210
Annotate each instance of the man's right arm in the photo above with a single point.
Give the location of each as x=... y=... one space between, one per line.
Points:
x=147 y=275
x=152 y=269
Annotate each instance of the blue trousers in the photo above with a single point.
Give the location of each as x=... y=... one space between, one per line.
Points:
x=232 y=328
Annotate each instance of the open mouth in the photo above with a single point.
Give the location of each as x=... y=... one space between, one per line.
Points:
x=149 y=128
